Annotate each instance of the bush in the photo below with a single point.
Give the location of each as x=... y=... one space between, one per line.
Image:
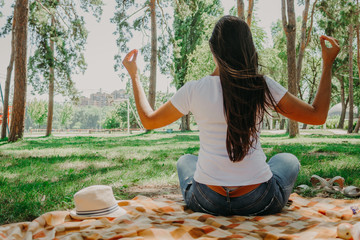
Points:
x=332 y=122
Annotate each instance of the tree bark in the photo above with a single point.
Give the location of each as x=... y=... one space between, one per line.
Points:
x=240 y=9
x=290 y=31
x=351 y=80
x=153 y=59
x=185 y=123
x=250 y=11
x=51 y=87
x=357 y=126
x=344 y=102
x=5 y=126
x=356 y=130
x=19 y=100
x=312 y=88
x=302 y=44
x=282 y=124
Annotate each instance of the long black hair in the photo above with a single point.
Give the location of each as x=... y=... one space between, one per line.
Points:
x=246 y=95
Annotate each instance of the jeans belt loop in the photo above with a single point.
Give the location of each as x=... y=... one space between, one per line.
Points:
x=227 y=194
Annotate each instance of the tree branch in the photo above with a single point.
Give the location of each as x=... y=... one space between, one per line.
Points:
x=250 y=10
x=132 y=14
x=283 y=16
x=311 y=24
x=164 y=22
x=327 y=13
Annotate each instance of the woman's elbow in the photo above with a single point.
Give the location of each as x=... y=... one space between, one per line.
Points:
x=318 y=120
x=148 y=123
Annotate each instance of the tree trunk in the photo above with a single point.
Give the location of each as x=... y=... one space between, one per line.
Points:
x=343 y=113
x=312 y=91
x=302 y=44
x=188 y=122
x=240 y=9
x=351 y=80
x=343 y=102
x=290 y=31
x=185 y=123
x=19 y=100
x=282 y=124
x=5 y=126
x=356 y=130
x=51 y=87
x=250 y=11
x=153 y=59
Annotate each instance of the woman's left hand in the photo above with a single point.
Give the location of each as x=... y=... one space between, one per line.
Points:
x=129 y=62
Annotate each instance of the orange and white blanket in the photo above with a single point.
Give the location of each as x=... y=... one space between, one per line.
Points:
x=315 y=218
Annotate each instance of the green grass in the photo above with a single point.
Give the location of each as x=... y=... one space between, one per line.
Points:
x=38 y=175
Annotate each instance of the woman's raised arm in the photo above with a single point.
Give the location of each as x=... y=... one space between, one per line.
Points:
x=150 y=119
x=316 y=113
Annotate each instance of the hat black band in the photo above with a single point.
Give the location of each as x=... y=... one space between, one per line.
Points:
x=99 y=212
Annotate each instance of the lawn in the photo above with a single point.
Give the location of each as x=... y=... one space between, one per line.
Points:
x=38 y=175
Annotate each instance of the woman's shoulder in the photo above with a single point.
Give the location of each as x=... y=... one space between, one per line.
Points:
x=202 y=82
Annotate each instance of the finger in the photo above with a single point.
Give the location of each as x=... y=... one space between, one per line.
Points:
x=331 y=40
x=135 y=55
x=129 y=55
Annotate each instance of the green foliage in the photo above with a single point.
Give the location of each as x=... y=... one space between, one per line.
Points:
x=273 y=60
x=37 y=110
x=132 y=16
x=87 y=117
x=113 y=119
x=66 y=114
x=1 y=5
x=200 y=63
x=258 y=33
x=193 y=23
x=61 y=23
x=332 y=122
x=117 y=116
x=335 y=17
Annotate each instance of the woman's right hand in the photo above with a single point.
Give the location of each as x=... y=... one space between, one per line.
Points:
x=329 y=54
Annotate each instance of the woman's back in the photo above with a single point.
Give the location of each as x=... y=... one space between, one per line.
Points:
x=204 y=99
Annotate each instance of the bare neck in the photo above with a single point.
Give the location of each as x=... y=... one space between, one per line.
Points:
x=216 y=72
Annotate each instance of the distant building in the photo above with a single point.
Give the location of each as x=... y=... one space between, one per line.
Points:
x=101 y=99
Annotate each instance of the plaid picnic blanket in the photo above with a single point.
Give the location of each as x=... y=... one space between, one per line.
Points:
x=315 y=218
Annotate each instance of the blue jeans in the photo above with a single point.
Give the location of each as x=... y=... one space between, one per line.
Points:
x=269 y=198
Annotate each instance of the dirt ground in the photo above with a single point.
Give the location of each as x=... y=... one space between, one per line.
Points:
x=171 y=192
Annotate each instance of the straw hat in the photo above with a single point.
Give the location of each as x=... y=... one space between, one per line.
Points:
x=95 y=202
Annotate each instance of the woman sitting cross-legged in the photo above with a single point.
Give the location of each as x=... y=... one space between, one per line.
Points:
x=231 y=176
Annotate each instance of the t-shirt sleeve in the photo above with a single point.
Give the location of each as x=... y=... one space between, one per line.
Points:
x=182 y=98
x=276 y=90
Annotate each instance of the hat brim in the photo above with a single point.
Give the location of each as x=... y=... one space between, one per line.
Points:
x=118 y=213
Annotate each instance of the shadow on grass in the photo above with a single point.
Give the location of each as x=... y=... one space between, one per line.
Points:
x=274 y=135
x=100 y=142
x=347 y=136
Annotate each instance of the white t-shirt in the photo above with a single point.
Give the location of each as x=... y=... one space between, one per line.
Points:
x=205 y=100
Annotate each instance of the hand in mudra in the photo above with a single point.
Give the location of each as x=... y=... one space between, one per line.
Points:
x=129 y=62
x=329 y=54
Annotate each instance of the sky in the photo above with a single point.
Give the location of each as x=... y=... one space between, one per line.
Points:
x=101 y=48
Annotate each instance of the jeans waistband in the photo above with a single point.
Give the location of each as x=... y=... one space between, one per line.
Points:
x=234 y=193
